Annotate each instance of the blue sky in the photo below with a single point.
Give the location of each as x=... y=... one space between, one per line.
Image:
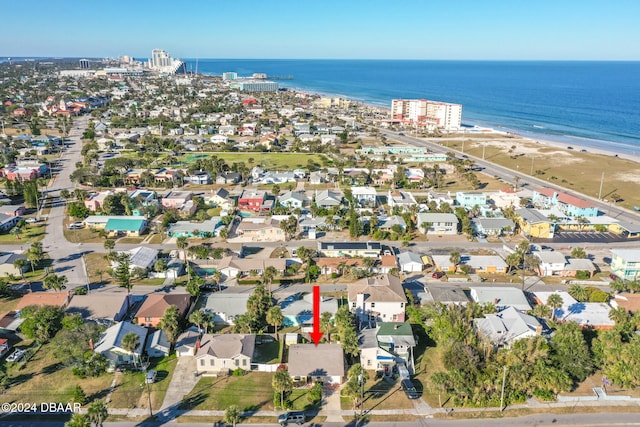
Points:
x=354 y=29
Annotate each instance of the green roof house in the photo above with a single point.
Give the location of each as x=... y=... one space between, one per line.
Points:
x=125 y=226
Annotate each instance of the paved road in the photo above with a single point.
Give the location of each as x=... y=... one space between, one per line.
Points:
x=66 y=256
x=509 y=176
x=541 y=420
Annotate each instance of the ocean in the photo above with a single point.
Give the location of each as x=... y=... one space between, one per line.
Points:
x=593 y=104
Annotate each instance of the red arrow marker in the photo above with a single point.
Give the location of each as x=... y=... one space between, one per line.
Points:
x=316 y=334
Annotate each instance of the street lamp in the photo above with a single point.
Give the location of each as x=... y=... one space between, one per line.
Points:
x=145 y=366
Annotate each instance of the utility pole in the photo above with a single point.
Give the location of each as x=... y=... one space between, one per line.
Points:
x=361 y=381
x=532 y=159
x=504 y=379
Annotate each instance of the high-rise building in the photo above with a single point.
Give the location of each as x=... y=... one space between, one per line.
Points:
x=162 y=62
x=84 y=64
x=433 y=114
x=229 y=75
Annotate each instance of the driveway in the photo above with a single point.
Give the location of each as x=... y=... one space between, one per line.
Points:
x=182 y=382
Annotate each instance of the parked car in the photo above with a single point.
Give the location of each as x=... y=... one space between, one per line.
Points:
x=75 y=226
x=437 y=275
x=16 y=356
x=409 y=389
x=33 y=220
x=291 y=417
x=613 y=277
x=151 y=377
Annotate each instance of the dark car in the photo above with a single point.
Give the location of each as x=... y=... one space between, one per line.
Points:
x=437 y=275
x=409 y=389
x=613 y=277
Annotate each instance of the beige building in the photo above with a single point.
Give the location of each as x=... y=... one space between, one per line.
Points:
x=432 y=114
x=219 y=354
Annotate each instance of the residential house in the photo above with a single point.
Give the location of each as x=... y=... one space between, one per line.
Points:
x=94 y=201
x=378 y=298
x=322 y=363
x=292 y=199
x=7 y=264
x=194 y=229
x=299 y=312
x=437 y=223
x=158 y=344
x=592 y=315
x=252 y=200
x=338 y=265
x=125 y=226
x=493 y=226
x=317 y=178
x=403 y=199
x=410 y=262
x=365 y=195
x=328 y=198
x=199 y=178
x=176 y=199
x=386 y=264
x=470 y=200
x=551 y=263
x=628 y=301
x=7 y=222
x=389 y=223
x=351 y=249
x=446 y=296
x=226 y=306
x=56 y=299
x=262 y=229
x=625 y=263
x=12 y=210
x=218 y=354
x=110 y=344
x=535 y=224
x=507 y=326
x=142 y=257
x=102 y=307
x=228 y=178
x=228 y=130
x=570 y=205
x=232 y=267
x=574 y=265
x=155 y=305
x=504 y=198
x=500 y=297
x=490 y=264
x=387 y=345
x=219 y=198
x=187 y=342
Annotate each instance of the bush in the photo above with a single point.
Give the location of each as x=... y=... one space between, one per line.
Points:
x=582 y=275
x=544 y=395
x=596 y=295
x=315 y=394
x=239 y=372
x=80 y=291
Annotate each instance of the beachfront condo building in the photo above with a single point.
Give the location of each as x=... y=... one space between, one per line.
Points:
x=229 y=75
x=254 y=85
x=430 y=114
x=162 y=62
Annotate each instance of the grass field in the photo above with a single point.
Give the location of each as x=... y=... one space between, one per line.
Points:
x=252 y=391
x=380 y=394
x=273 y=161
x=575 y=170
x=30 y=233
x=44 y=379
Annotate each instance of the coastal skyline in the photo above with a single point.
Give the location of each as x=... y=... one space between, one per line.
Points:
x=411 y=29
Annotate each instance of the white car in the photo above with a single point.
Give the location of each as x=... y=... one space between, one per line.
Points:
x=33 y=220
x=16 y=356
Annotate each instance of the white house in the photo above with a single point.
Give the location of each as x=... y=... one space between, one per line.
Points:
x=379 y=298
x=410 y=262
x=500 y=297
x=110 y=344
x=438 y=223
x=225 y=307
x=551 y=262
x=507 y=326
x=292 y=199
x=364 y=195
x=402 y=199
x=187 y=342
x=221 y=353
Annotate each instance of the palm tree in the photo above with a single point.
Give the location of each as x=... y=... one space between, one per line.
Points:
x=543 y=311
x=232 y=415
x=578 y=253
x=269 y=274
x=55 y=282
x=554 y=301
x=326 y=323
x=455 y=258
x=78 y=420
x=199 y=319
x=182 y=243
x=275 y=318
x=130 y=343
x=19 y=265
x=579 y=293
x=620 y=315
x=97 y=412
x=35 y=255
x=282 y=383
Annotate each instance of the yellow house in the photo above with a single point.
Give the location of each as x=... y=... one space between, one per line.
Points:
x=534 y=224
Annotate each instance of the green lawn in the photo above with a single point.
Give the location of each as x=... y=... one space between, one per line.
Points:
x=252 y=391
x=380 y=394
x=44 y=379
x=30 y=233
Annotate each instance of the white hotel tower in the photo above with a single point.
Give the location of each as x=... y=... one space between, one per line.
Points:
x=161 y=62
x=432 y=114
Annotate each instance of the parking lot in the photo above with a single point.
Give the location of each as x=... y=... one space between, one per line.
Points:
x=584 y=237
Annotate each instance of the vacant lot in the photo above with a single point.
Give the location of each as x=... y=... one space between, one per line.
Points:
x=252 y=391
